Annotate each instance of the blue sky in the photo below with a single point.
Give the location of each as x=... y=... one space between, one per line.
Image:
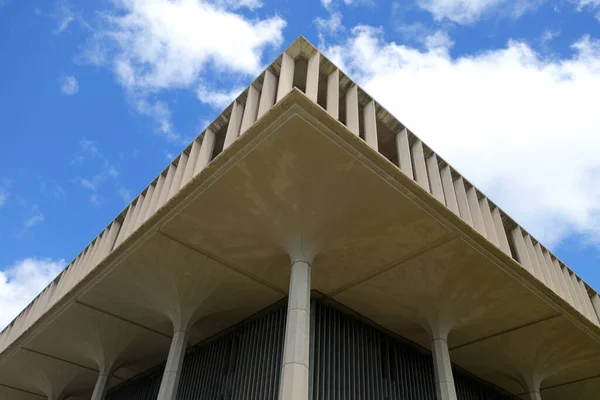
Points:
x=96 y=97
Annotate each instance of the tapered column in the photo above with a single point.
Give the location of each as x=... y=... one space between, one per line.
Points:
x=170 y=379
x=294 y=374
x=444 y=380
x=286 y=76
x=535 y=395
x=101 y=386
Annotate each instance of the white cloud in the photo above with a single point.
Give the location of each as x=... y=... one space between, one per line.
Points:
x=125 y=194
x=157 y=45
x=329 y=25
x=217 y=98
x=469 y=11
x=69 y=85
x=522 y=128
x=21 y=282
x=63 y=14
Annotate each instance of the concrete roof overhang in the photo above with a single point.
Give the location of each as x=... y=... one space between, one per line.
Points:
x=219 y=251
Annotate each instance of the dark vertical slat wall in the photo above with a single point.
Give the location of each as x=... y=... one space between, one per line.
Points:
x=353 y=360
x=350 y=360
x=243 y=364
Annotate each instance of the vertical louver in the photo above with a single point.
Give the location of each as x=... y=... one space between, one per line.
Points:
x=244 y=364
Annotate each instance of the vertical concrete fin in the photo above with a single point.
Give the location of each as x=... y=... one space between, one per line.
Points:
x=449 y=193
x=435 y=178
x=333 y=94
x=166 y=188
x=250 y=110
x=488 y=221
x=567 y=283
x=206 y=151
x=596 y=304
x=500 y=231
x=144 y=211
x=286 y=76
x=537 y=271
x=463 y=202
x=155 y=196
x=587 y=303
x=98 y=251
x=419 y=167
x=267 y=94
x=542 y=263
x=574 y=292
x=521 y=249
x=136 y=214
x=556 y=280
x=188 y=174
x=113 y=231
x=180 y=169
x=352 y=110
x=370 y=118
x=233 y=127
x=476 y=215
x=404 y=158
x=312 y=76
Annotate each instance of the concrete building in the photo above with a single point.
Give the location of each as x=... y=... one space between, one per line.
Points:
x=307 y=245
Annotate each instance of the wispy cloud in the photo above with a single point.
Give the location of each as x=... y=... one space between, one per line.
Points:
x=4 y=191
x=33 y=217
x=88 y=154
x=33 y=220
x=217 y=98
x=69 y=85
x=125 y=194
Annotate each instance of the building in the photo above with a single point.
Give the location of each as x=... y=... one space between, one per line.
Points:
x=307 y=245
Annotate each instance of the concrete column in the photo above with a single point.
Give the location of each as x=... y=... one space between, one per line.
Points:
x=444 y=380
x=535 y=395
x=488 y=221
x=267 y=95
x=164 y=192
x=250 y=110
x=286 y=76
x=296 y=353
x=352 y=110
x=370 y=119
x=101 y=386
x=333 y=94
x=312 y=76
x=521 y=249
x=188 y=174
x=154 y=200
x=418 y=158
x=170 y=379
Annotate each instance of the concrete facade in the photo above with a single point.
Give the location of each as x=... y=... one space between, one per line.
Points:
x=306 y=169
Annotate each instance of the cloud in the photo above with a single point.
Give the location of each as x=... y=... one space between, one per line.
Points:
x=4 y=191
x=69 y=85
x=158 y=45
x=329 y=25
x=21 y=282
x=64 y=15
x=470 y=11
x=125 y=194
x=522 y=128
x=33 y=220
x=217 y=98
